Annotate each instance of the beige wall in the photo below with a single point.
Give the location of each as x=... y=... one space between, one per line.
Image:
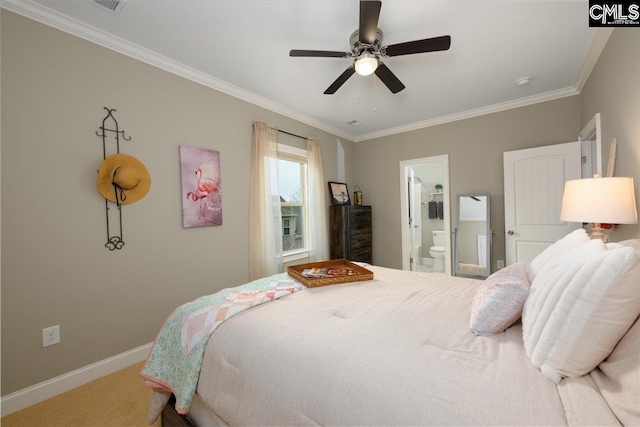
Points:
x=475 y=148
x=56 y=270
x=613 y=90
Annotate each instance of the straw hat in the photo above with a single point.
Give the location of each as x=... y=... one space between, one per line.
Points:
x=125 y=176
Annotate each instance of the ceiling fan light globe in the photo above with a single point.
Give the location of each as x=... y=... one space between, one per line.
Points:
x=366 y=65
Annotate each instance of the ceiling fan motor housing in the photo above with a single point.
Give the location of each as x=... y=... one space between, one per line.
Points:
x=358 y=48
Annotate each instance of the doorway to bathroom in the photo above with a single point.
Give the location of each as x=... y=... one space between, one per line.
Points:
x=425 y=214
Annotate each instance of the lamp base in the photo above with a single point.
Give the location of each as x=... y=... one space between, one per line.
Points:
x=597 y=232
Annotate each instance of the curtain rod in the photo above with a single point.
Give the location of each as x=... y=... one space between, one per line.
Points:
x=292 y=134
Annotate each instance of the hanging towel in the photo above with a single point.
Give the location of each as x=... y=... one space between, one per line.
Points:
x=433 y=210
x=440 y=210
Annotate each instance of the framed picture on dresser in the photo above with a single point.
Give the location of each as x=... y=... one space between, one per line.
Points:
x=339 y=193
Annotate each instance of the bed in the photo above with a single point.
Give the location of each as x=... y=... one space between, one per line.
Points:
x=396 y=350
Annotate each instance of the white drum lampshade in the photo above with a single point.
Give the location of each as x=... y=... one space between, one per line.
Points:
x=599 y=201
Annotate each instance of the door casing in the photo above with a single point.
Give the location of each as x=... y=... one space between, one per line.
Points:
x=404 y=211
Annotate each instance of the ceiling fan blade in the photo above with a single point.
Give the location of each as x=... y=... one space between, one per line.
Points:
x=340 y=81
x=419 y=46
x=388 y=78
x=320 y=53
x=369 y=14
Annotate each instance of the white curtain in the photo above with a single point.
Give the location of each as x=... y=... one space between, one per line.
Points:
x=265 y=217
x=318 y=232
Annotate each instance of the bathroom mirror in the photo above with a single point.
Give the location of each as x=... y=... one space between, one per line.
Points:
x=472 y=255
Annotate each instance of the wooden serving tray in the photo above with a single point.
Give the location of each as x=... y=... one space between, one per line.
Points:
x=335 y=264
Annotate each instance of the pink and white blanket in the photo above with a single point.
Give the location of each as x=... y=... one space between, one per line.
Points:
x=176 y=356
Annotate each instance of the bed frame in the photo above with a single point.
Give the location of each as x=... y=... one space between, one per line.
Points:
x=170 y=418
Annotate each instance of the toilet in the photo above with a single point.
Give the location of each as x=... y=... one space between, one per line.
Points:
x=437 y=251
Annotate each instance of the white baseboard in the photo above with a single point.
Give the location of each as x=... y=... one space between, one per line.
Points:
x=37 y=393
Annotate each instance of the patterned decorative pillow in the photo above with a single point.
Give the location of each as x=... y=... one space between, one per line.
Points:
x=498 y=301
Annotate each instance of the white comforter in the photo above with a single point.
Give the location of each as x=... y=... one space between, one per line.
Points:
x=393 y=351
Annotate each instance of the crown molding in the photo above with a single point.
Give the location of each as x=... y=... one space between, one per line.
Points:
x=596 y=47
x=79 y=29
x=490 y=109
x=598 y=43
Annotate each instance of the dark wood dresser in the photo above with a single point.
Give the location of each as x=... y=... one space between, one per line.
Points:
x=350 y=230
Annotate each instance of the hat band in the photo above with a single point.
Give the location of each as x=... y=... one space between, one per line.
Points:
x=116 y=187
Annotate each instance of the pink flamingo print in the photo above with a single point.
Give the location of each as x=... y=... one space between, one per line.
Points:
x=207 y=177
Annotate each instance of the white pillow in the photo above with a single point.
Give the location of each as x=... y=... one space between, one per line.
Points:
x=580 y=305
x=634 y=243
x=543 y=297
x=498 y=301
x=619 y=378
x=572 y=240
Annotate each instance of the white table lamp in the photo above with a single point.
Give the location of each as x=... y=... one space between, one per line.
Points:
x=599 y=201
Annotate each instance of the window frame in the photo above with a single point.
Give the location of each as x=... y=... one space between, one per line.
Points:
x=297 y=155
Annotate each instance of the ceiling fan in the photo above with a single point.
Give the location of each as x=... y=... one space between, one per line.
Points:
x=367 y=48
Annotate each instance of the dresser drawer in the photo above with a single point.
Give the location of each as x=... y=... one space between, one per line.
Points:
x=351 y=232
x=360 y=240
x=362 y=255
x=360 y=221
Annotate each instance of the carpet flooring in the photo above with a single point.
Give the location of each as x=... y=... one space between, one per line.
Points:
x=116 y=400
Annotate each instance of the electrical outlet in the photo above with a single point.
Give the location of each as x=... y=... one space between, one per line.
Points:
x=51 y=336
x=500 y=264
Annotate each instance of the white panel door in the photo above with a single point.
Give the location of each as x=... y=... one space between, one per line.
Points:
x=533 y=187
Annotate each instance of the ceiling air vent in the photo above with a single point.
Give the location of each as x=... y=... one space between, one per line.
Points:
x=113 y=6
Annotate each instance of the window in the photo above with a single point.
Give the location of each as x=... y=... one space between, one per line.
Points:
x=292 y=181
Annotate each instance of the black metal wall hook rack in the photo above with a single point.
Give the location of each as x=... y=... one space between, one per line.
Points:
x=115 y=241
x=117 y=131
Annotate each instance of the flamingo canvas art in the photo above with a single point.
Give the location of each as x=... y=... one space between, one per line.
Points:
x=201 y=192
